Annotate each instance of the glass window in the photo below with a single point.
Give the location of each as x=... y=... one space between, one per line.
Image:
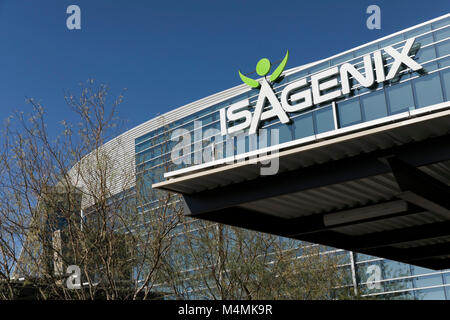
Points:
x=441 y=23
x=238 y=145
x=324 y=119
x=424 y=40
x=284 y=133
x=419 y=270
x=361 y=89
x=400 y=97
x=303 y=126
x=408 y=295
x=208 y=119
x=366 y=50
x=425 y=54
x=344 y=257
x=443 y=48
x=444 y=62
x=349 y=112
x=446 y=83
x=397 y=285
x=374 y=105
x=363 y=257
x=446 y=278
x=342 y=59
x=442 y=34
x=319 y=67
x=346 y=275
x=394 y=269
x=145 y=137
x=428 y=281
x=428 y=90
x=418 y=31
x=428 y=67
x=142 y=146
x=299 y=75
x=431 y=294
x=392 y=41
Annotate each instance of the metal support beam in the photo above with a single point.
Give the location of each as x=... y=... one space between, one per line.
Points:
x=352 y=168
x=377 y=246
x=413 y=254
x=393 y=237
x=420 y=188
x=420 y=192
x=316 y=223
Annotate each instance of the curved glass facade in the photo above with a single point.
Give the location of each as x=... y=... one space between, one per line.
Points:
x=408 y=91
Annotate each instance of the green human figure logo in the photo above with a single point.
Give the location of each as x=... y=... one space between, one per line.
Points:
x=262 y=69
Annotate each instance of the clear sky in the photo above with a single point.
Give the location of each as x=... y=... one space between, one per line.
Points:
x=170 y=53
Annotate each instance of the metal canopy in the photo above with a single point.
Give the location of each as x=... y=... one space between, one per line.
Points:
x=383 y=191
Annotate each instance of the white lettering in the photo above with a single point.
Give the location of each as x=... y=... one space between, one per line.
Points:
x=401 y=57
x=379 y=66
x=266 y=93
x=297 y=96
x=304 y=95
x=317 y=87
x=234 y=113
x=347 y=69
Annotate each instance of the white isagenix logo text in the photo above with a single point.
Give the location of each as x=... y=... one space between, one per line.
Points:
x=314 y=90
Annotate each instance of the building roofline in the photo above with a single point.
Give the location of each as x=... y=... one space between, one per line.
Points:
x=203 y=103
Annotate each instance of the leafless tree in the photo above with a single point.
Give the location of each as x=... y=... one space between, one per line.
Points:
x=68 y=201
x=78 y=199
x=214 y=261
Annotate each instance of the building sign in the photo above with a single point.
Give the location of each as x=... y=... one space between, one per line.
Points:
x=309 y=91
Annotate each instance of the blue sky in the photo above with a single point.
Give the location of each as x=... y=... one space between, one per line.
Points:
x=170 y=53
